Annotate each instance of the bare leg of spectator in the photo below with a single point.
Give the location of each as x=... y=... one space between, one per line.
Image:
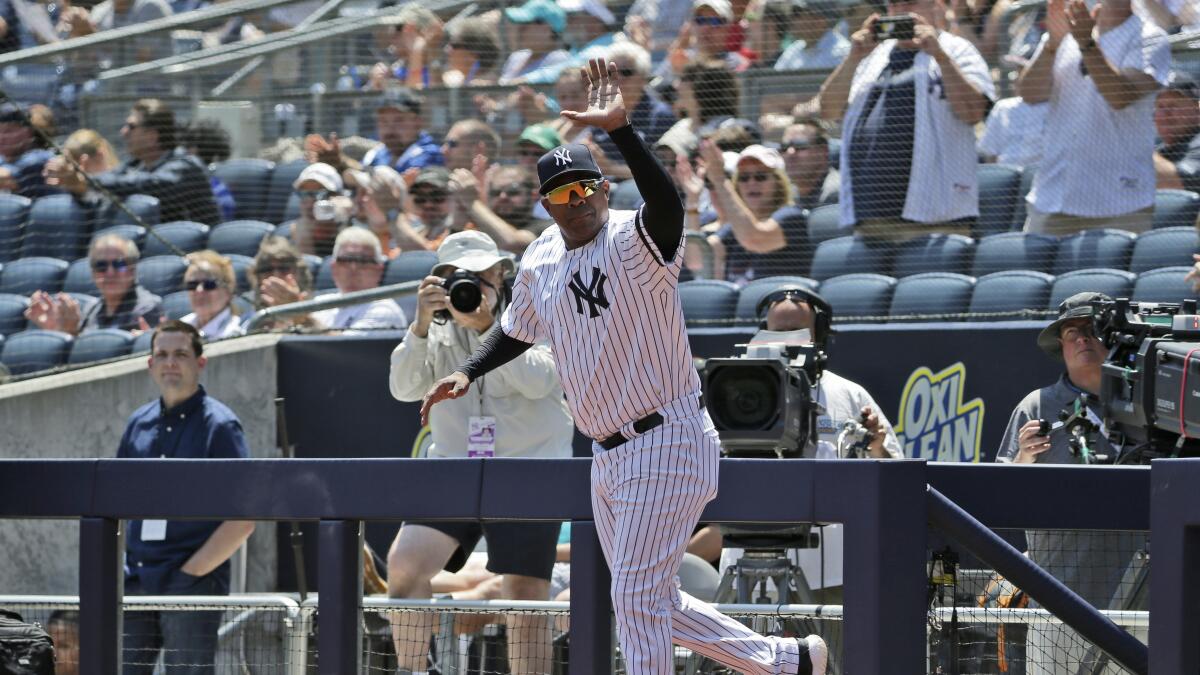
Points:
x=529 y=648
x=417 y=554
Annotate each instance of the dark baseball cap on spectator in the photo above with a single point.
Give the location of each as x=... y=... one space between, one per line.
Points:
x=566 y=164
x=827 y=8
x=435 y=176
x=1185 y=84
x=12 y=113
x=400 y=99
x=1078 y=306
x=538 y=10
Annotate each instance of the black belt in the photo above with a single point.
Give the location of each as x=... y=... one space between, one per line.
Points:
x=641 y=426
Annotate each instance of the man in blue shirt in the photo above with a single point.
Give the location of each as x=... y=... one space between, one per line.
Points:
x=21 y=156
x=404 y=144
x=179 y=557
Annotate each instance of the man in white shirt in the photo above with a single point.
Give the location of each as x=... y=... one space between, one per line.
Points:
x=908 y=109
x=358 y=265
x=1099 y=74
x=1013 y=134
x=817 y=43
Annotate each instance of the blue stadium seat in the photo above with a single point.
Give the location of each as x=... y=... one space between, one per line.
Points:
x=58 y=227
x=284 y=229
x=314 y=263
x=1163 y=248
x=934 y=253
x=100 y=344
x=753 y=292
x=14 y=212
x=1013 y=251
x=134 y=233
x=141 y=343
x=145 y=207
x=162 y=274
x=825 y=223
x=239 y=236
x=12 y=313
x=933 y=296
x=1163 y=285
x=708 y=302
x=279 y=193
x=999 y=295
x=864 y=296
x=33 y=350
x=185 y=235
x=1113 y=283
x=999 y=195
x=625 y=196
x=847 y=255
x=408 y=266
x=176 y=305
x=1020 y=213
x=241 y=263
x=1106 y=247
x=249 y=181
x=79 y=278
x=323 y=280
x=1175 y=208
x=27 y=275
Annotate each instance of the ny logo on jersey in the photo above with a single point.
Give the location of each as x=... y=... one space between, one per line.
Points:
x=562 y=157
x=591 y=292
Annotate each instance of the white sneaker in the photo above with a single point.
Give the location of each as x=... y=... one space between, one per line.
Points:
x=817 y=653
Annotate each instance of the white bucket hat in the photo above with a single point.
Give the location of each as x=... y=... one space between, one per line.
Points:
x=473 y=251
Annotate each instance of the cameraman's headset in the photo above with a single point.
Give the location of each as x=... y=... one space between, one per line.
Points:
x=821 y=309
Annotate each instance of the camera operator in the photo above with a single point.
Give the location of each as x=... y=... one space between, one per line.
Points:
x=792 y=308
x=517 y=410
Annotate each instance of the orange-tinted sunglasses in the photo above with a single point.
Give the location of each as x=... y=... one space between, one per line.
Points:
x=562 y=195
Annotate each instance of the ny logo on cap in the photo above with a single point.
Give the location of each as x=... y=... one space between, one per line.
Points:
x=562 y=157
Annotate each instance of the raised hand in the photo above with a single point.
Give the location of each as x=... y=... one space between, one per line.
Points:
x=691 y=181
x=1082 y=21
x=606 y=107
x=1058 y=23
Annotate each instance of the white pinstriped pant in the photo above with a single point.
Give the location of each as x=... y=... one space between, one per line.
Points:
x=647 y=496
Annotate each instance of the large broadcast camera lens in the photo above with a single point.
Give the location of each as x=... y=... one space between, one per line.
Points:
x=465 y=293
x=744 y=399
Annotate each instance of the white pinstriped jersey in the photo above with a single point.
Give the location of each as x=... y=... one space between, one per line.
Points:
x=610 y=310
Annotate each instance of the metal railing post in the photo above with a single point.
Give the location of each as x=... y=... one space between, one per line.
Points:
x=339 y=583
x=100 y=590
x=591 y=607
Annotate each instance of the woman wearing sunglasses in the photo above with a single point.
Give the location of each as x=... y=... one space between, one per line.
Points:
x=210 y=283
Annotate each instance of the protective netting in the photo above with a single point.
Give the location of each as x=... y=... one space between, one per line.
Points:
x=955 y=176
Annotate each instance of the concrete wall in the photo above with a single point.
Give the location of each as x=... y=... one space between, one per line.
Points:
x=82 y=413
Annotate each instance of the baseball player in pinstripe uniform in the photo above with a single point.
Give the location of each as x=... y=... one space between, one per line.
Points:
x=601 y=287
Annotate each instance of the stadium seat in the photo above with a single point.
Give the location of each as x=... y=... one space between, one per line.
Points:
x=14 y=212
x=1163 y=285
x=1021 y=211
x=999 y=194
x=284 y=230
x=27 y=275
x=79 y=278
x=58 y=227
x=1113 y=283
x=1163 y=248
x=162 y=274
x=932 y=296
x=134 y=233
x=409 y=266
x=185 y=235
x=825 y=223
x=847 y=255
x=141 y=343
x=708 y=302
x=1106 y=248
x=323 y=281
x=176 y=305
x=1175 y=208
x=625 y=196
x=755 y=291
x=241 y=263
x=239 y=236
x=249 y=181
x=1000 y=295
x=863 y=296
x=934 y=253
x=279 y=192
x=145 y=207
x=12 y=313
x=1013 y=251
x=100 y=344
x=33 y=350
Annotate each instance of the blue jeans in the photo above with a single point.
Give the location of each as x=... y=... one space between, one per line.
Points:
x=187 y=639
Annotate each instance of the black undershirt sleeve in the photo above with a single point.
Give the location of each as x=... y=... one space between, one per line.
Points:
x=497 y=349
x=662 y=214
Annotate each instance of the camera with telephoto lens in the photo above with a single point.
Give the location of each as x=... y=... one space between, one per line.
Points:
x=894 y=28
x=1150 y=382
x=466 y=292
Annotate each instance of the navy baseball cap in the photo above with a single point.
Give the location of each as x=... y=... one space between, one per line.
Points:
x=566 y=164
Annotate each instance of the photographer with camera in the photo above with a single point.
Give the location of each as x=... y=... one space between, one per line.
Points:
x=908 y=96
x=516 y=410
